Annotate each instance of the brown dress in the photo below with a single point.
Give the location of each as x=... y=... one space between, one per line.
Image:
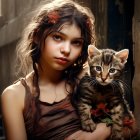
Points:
x=54 y=121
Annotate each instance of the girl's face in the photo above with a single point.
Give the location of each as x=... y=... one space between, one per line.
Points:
x=62 y=48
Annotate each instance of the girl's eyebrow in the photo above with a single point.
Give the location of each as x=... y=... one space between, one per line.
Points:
x=59 y=32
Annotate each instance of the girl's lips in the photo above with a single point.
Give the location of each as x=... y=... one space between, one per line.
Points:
x=62 y=60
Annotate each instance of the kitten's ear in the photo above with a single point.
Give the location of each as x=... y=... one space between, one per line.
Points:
x=122 y=55
x=93 y=51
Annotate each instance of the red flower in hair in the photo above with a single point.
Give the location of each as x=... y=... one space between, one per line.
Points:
x=53 y=17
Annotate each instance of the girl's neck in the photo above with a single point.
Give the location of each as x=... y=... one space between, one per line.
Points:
x=50 y=76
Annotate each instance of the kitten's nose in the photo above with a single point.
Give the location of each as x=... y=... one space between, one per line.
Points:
x=103 y=79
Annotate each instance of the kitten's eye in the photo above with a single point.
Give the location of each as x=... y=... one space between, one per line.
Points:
x=98 y=68
x=112 y=70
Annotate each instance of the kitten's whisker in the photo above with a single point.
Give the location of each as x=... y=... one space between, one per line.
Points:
x=123 y=97
x=125 y=86
x=119 y=87
x=113 y=86
x=121 y=81
x=93 y=82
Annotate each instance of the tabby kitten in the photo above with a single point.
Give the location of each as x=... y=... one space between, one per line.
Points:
x=100 y=93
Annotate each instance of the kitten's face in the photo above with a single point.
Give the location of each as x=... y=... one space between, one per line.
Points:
x=106 y=65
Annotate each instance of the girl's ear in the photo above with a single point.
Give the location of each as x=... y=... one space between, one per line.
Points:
x=122 y=55
x=93 y=51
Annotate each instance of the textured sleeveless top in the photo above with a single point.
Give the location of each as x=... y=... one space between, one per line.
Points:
x=55 y=122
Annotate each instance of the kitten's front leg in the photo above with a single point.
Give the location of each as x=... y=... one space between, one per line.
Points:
x=117 y=115
x=85 y=114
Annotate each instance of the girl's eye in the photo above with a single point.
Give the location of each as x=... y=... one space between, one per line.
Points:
x=112 y=70
x=77 y=43
x=57 y=37
x=98 y=68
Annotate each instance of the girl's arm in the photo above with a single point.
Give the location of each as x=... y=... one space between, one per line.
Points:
x=102 y=132
x=12 y=101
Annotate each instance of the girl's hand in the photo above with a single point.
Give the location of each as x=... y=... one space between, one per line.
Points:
x=102 y=132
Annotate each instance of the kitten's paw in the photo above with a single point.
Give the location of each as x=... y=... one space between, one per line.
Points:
x=89 y=125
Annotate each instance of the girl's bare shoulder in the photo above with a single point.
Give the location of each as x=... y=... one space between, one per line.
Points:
x=14 y=89
x=15 y=92
x=17 y=87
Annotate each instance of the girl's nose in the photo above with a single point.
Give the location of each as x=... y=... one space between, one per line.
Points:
x=65 y=49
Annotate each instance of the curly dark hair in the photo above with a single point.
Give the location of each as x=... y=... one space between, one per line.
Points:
x=50 y=17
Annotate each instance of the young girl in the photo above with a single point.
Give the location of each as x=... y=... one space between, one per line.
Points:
x=54 y=44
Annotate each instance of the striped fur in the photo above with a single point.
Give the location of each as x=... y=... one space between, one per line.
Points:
x=103 y=85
